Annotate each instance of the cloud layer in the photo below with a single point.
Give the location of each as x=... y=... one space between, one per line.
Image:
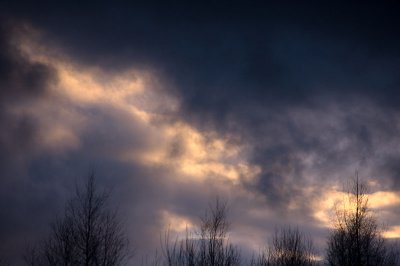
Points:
x=268 y=107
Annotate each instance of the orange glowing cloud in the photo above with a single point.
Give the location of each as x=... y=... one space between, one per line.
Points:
x=199 y=154
x=139 y=98
x=176 y=145
x=324 y=206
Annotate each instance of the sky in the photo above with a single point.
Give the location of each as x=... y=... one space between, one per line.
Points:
x=270 y=106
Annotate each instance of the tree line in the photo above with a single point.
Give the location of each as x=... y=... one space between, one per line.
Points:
x=90 y=233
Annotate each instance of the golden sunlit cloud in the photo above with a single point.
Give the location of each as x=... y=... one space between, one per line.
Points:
x=199 y=155
x=132 y=97
x=176 y=224
x=190 y=154
x=177 y=144
x=392 y=232
x=324 y=206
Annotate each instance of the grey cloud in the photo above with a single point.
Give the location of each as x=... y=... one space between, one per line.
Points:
x=20 y=80
x=311 y=92
x=19 y=77
x=299 y=148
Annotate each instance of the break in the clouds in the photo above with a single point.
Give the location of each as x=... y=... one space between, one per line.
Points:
x=272 y=108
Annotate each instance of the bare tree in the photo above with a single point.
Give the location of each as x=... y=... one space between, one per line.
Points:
x=357 y=240
x=289 y=247
x=88 y=233
x=208 y=247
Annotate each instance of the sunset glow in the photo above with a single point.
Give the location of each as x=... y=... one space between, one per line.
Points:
x=272 y=109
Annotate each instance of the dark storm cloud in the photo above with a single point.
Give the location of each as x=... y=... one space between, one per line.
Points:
x=19 y=78
x=20 y=81
x=311 y=89
x=324 y=143
x=52 y=138
x=225 y=57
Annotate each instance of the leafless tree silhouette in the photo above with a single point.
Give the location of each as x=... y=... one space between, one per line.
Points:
x=208 y=247
x=88 y=233
x=357 y=239
x=289 y=247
